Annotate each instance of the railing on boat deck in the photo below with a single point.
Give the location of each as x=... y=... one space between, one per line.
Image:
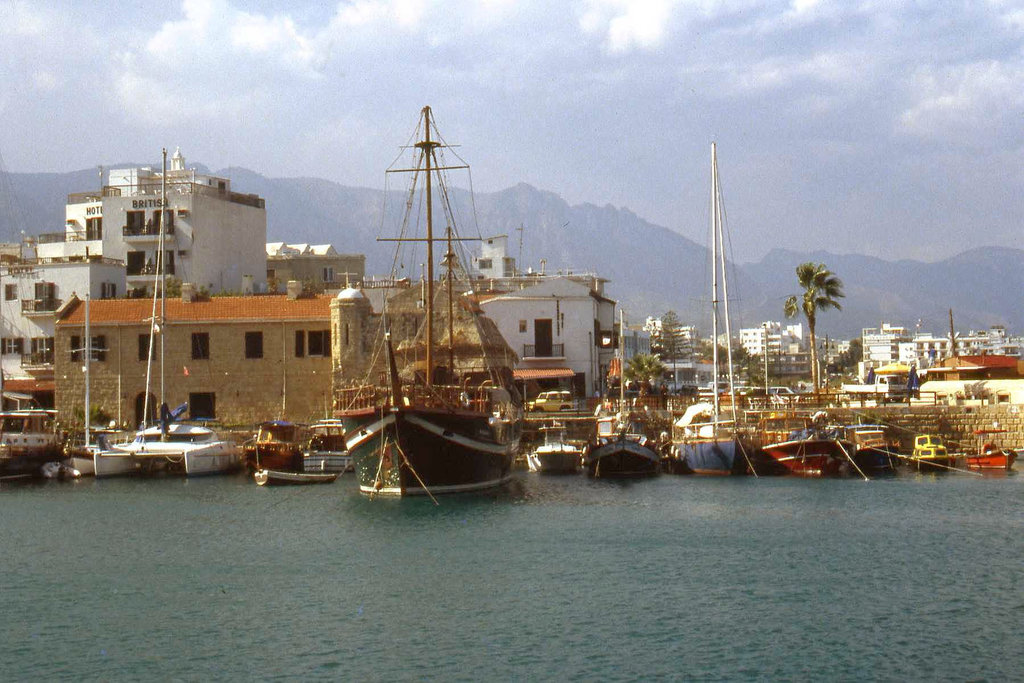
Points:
x=438 y=396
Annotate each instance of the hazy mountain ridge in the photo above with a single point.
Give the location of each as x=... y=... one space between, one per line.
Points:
x=651 y=268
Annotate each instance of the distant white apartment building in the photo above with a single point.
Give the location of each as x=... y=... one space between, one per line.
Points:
x=774 y=336
x=562 y=330
x=214 y=237
x=882 y=344
x=893 y=344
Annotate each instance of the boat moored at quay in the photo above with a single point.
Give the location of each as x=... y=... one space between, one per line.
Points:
x=430 y=416
x=28 y=440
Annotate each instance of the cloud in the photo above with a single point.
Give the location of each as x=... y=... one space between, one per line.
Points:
x=964 y=100
x=626 y=25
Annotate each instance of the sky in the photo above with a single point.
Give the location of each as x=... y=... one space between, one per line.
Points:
x=888 y=128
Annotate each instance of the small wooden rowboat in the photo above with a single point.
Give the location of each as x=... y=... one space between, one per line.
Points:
x=281 y=478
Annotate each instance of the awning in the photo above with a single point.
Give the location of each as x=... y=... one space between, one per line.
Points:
x=26 y=385
x=541 y=373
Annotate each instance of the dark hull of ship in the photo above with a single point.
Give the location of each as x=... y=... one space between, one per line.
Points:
x=277 y=456
x=622 y=458
x=415 y=451
x=810 y=457
x=27 y=462
x=876 y=460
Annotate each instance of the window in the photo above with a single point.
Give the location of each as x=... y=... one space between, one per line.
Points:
x=42 y=350
x=13 y=345
x=134 y=262
x=522 y=326
x=300 y=343
x=108 y=290
x=483 y=264
x=94 y=228
x=329 y=274
x=143 y=346
x=319 y=342
x=99 y=348
x=200 y=346
x=202 y=405
x=135 y=222
x=10 y=292
x=254 y=345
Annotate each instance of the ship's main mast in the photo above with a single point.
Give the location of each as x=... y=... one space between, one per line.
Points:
x=428 y=147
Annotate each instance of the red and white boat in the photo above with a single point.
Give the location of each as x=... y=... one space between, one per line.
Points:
x=803 y=450
x=990 y=457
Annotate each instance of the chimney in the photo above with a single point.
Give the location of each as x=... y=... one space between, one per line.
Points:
x=294 y=289
x=188 y=292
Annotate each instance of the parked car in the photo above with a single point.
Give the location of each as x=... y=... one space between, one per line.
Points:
x=552 y=401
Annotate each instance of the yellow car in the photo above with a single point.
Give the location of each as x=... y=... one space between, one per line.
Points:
x=553 y=401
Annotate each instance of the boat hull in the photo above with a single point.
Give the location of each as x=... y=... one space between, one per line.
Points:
x=327 y=461
x=555 y=460
x=266 y=477
x=273 y=456
x=939 y=463
x=876 y=460
x=622 y=458
x=810 y=457
x=410 y=451
x=996 y=461
x=714 y=457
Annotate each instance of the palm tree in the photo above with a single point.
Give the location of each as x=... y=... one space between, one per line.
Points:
x=644 y=368
x=821 y=290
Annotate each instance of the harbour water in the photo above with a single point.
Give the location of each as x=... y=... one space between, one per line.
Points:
x=911 y=578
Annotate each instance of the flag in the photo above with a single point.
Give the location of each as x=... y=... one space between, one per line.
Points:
x=186 y=370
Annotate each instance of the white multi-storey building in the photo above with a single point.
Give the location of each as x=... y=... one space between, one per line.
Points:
x=773 y=335
x=33 y=290
x=561 y=329
x=214 y=238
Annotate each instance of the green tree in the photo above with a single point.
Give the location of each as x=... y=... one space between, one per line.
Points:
x=644 y=368
x=821 y=290
x=667 y=343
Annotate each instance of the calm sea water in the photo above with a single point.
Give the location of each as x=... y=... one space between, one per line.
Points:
x=911 y=578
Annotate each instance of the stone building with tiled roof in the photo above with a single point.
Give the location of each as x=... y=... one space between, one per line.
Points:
x=236 y=359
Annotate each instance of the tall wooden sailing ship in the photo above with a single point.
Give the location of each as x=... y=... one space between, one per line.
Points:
x=437 y=410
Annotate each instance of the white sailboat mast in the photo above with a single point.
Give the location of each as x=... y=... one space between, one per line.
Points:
x=725 y=282
x=714 y=280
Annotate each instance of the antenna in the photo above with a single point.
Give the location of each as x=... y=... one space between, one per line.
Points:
x=520 y=258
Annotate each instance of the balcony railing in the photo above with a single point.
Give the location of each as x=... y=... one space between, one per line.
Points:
x=145 y=230
x=531 y=351
x=37 y=358
x=148 y=269
x=48 y=305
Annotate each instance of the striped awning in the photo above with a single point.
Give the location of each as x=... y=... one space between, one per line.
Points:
x=541 y=373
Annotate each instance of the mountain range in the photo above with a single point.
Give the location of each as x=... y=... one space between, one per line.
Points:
x=651 y=269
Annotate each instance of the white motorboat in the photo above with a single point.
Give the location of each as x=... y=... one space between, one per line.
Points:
x=556 y=454
x=326 y=450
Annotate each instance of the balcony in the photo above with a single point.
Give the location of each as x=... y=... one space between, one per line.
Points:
x=37 y=359
x=148 y=269
x=39 y=306
x=553 y=351
x=149 y=231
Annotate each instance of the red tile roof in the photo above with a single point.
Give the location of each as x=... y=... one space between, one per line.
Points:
x=260 y=307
